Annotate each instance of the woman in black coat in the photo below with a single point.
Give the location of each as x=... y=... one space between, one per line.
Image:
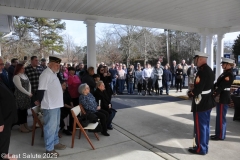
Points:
x=179 y=77
x=104 y=100
x=105 y=76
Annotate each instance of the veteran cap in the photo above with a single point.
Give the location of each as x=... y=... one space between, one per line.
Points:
x=200 y=54
x=54 y=59
x=227 y=60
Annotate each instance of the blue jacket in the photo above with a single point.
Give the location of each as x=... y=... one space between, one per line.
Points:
x=10 y=77
x=4 y=78
x=167 y=75
x=89 y=102
x=113 y=72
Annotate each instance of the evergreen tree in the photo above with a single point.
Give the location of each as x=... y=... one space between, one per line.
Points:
x=236 y=47
x=47 y=32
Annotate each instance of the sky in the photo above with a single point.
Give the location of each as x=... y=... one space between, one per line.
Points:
x=77 y=30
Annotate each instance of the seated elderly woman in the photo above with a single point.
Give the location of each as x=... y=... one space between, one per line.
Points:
x=101 y=95
x=90 y=105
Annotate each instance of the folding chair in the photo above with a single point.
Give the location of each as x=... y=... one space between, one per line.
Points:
x=36 y=122
x=75 y=111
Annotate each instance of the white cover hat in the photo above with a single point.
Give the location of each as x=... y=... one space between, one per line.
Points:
x=227 y=60
x=200 y=54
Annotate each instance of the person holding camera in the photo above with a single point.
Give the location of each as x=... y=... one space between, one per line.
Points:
x=179 y=78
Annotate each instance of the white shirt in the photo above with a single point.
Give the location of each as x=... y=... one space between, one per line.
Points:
x=146 y=72
x=53 y=94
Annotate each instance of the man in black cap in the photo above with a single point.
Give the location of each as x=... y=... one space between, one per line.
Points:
x=202 y=103
x=43 y=63
x=50 y=95
x=222 y=90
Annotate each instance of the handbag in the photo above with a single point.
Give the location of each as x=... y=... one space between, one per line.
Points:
x=83 y=120
x=92 y=117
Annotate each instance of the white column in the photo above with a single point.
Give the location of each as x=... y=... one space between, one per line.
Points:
x=219 y=54
x=203 y=44
x=210 y=50
x=91 y=43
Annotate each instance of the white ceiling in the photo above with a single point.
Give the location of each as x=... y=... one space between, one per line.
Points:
x=187 y=15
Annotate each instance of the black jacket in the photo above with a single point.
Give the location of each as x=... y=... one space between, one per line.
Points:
x=8 y=107
x=203 y=82
x=179 y=72
x=89 y=80
x=225 y=80
x=107 y=80
x=173 y=69
x=4 y=78
x=104 y=97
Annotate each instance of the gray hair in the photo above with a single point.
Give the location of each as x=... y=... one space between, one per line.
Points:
x=82 y=87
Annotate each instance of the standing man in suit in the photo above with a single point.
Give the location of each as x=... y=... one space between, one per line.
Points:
x=8 y=116
x=173 y=69
x=202 y=103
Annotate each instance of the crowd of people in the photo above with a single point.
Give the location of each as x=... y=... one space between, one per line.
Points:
x=58 y=88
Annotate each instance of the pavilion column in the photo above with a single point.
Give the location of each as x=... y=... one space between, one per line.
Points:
x=203 y=44
x=91 y=43
x=210 y=50
x=220 y=41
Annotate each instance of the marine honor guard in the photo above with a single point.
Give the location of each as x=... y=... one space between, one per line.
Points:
x=222 y=95
x=202 y=103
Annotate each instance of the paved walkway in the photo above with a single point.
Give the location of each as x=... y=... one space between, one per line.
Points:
x=145 y=127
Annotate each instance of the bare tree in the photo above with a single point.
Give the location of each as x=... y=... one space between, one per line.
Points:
x=69 y=47
x=128 y=35
x=108 y=47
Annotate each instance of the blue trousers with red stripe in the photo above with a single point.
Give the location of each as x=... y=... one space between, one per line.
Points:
x=221 y=123
x=202 y=131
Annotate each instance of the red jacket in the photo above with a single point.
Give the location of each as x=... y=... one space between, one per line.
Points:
x=73 y=84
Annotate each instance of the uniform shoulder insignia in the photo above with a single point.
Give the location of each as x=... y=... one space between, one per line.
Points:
x=197 y=80
x=226 y=78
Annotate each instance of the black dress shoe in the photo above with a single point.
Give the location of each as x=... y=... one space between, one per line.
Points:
x=105 y=134
x=216 y=138
x=67 y=132
x=110 y=128
x=212 y=136
x=194 y=151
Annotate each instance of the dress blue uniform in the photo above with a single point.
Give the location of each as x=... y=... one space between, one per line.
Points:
x=222 y=89
x=202 y=105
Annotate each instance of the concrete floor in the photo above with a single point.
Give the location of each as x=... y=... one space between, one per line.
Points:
x=145 y=127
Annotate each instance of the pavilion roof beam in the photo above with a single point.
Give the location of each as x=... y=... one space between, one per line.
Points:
x=82 y=17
